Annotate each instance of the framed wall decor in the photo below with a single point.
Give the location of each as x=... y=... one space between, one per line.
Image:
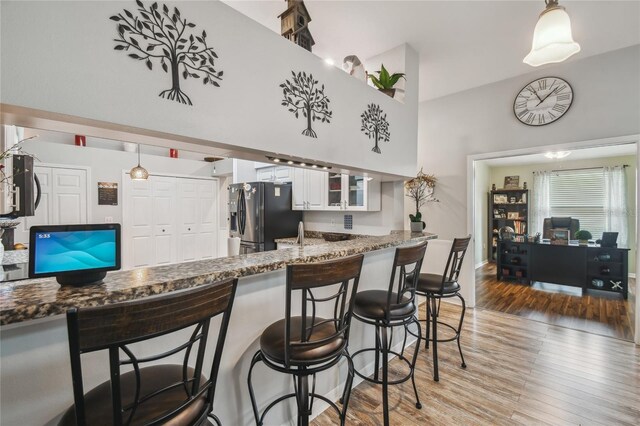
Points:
x=513 y=215
x=511 y=182
x=500 y=198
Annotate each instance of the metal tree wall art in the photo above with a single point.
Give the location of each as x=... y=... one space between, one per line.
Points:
x=302 y=93
x=375 y=125
x=157 y=34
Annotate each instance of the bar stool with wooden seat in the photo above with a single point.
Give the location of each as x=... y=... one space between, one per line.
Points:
x=436 y=287
x=307 y=344
x=168 y=394
x=390 y=308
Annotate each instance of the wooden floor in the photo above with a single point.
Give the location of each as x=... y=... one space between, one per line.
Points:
x=596 y=312
x=519 y=372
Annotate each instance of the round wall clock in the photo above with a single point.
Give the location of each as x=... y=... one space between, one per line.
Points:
x=543 y=101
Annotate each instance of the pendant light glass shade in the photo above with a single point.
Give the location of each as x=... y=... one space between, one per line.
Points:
x=139 y=172
x=552 y=39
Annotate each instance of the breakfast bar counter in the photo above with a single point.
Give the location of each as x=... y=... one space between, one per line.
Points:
x=34 y=345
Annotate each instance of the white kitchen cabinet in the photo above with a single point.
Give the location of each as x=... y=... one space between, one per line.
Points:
x=308 y=189
x=274 y=174
x=352 y=193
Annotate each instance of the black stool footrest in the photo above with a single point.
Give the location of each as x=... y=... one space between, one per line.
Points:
x=379 y=382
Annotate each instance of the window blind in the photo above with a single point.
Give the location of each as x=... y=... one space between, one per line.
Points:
x=580 y=195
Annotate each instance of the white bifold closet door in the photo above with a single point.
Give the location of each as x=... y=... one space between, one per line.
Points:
x=168 y=220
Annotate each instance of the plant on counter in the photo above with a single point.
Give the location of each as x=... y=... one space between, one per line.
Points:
x=385 y=81
x=420 y=189
x=583 y=235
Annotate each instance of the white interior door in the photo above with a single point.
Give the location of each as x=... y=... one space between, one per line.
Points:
x=63 y=199
x=164 y=219
x=168 y=220
x=207 y=219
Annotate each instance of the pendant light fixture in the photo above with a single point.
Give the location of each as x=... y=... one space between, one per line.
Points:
x=552 y=39
x=139 y=172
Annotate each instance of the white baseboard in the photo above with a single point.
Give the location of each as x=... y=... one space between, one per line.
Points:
x=484 y=262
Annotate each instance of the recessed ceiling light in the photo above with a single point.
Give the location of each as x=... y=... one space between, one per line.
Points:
x=556 y=155
x=325 y=168
x=329 y=61
x=276 y=160
x=303 y=164
x=314 y=166
x=289 y=162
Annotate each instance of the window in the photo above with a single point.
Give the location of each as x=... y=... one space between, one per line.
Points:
x=579 y=194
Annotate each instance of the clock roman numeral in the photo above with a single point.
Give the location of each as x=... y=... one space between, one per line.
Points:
x=559 y=108
x=542 y=84
x=561 y=88
x=529 y=119
x=551 y=114
x=564 y=97
x=541 y=119
x=522 y=113
x=521 y=105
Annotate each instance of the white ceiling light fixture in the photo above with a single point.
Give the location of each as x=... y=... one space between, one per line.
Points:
x=552 y=38
x=329 y=62
x=557 y=155
x=139 y=172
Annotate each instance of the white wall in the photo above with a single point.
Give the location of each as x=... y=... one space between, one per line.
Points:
x=525 y=172
x=481 y=120
x=390 y=216
x=74 y=70
x=107 y=166
x=482 y=178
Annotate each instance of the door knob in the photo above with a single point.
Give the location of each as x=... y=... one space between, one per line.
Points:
x=163 y=230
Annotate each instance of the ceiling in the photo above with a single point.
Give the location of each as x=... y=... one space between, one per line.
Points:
x=576 y=154
x=462 y=44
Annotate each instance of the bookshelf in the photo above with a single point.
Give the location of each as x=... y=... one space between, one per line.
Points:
x=507 y=207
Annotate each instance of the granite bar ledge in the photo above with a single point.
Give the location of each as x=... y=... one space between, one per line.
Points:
x=27 y=300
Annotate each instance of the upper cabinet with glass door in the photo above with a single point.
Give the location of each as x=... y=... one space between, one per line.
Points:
x=352 y=193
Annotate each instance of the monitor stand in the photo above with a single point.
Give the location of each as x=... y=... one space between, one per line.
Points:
x=79 y=279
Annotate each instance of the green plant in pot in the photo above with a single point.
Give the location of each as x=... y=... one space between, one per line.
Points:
x=420 y=189
x=583 y=236
x=385 y=81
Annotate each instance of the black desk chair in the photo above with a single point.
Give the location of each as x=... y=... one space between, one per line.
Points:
x=307 y=344
x=390 y=308
x=175 y=394
x=437 y=287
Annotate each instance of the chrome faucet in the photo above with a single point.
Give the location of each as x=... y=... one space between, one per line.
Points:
x=300 y=239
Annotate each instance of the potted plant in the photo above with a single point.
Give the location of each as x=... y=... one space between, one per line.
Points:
x=420 y=189
x=385 y=81
x=583 y=236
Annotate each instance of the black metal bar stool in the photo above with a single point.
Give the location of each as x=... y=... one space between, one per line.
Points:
x=390 y=308
x=307 y=344
x=437 y=287
x=158 y=394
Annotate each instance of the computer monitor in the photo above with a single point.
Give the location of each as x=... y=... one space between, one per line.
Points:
x=609 y=239
x=74 y=254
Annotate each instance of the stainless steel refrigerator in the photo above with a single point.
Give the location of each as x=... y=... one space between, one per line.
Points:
x=260 y=212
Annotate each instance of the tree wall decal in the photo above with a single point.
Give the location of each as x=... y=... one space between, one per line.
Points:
x=157 y=34
x=375 y=125
x=302 y=93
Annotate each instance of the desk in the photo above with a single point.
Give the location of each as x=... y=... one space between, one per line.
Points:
x=588 y=267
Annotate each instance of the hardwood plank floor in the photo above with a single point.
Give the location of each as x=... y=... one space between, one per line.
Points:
x=596 y=312
x=519 y=372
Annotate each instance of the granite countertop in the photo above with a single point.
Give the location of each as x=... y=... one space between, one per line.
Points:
x=314 y=238
x=308 y=241
x=39 y=298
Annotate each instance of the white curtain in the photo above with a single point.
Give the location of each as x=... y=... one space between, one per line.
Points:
x=615 y=203
x=540 y=204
